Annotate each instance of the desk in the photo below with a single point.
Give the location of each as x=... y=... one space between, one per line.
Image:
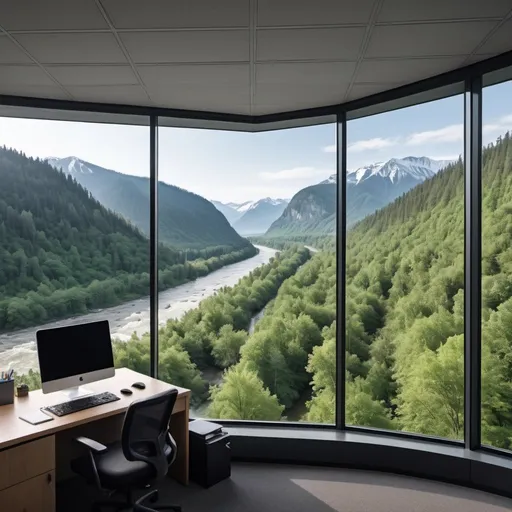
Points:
x=32 y=457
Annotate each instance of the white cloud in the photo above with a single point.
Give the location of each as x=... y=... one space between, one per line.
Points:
x=372 y=144
x=451 y=133
x=330 y=149
x=498 y=127
x=444 y=157
x=296 y=173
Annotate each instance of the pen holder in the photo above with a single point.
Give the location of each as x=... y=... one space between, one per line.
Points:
x=7 y=392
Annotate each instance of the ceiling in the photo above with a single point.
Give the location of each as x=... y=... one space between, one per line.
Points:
x=239 y=56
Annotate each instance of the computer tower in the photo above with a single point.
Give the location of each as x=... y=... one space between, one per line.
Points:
x=210 y=453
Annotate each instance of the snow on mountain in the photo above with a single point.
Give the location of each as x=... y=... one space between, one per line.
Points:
x=417 y=168
x=70 y=164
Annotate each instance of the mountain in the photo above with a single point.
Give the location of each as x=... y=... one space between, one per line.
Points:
x=231 y=213
x=368 y=189
x=186 y=220
x=258 y=216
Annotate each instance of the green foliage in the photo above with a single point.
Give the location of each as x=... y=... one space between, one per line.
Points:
x=226 y=346
x=242 y=396
x=62 y=253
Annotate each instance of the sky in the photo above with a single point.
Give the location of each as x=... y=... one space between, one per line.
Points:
x=237 y=167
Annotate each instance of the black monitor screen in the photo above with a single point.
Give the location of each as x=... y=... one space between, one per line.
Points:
x=74 y=350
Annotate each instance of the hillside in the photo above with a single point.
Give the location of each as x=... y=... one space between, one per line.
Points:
x=311 y=210
x=64 y=253
x=259 y=216
x=368 y=189
x=186 y=220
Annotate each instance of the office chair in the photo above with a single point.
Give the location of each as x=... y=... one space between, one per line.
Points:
x=143 y=456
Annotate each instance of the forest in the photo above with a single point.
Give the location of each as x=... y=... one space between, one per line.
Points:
x=63 y=253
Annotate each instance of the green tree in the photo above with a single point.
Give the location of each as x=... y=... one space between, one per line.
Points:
x=226 y=346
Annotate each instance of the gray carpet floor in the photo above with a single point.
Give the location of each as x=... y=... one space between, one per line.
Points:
x=283 y=488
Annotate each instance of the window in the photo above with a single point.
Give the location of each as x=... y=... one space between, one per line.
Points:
x=497 y=266
x=405 y=270
x=248 y=314
x=74 y=219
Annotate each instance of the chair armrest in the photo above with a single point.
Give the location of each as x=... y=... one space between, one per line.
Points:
x=91 y=444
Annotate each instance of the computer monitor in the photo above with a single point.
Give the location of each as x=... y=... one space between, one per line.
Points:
x=74 y=355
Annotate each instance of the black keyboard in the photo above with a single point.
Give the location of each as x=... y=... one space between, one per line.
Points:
x=81 y=404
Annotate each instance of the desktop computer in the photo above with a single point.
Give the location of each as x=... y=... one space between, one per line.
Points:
x=72 y=356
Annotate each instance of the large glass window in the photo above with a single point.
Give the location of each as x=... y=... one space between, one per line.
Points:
x=405 y=270
x=497 y=266
x=74 y=224
x=248 y=315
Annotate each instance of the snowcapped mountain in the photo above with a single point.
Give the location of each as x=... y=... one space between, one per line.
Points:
x=70 y=165
x=368 y=189
x=252 y=217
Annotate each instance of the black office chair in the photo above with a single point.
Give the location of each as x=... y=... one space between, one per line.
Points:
x=143 y=456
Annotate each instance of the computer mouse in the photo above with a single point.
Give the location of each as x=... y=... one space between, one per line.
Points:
x=139 y=385
x=126 y=391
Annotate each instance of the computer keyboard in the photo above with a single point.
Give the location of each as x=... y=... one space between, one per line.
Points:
x=81 y=404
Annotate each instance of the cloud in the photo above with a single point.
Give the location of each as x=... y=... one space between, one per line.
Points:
x=451 y=133
x=330 y=149
x=499 y=126
x=296 y=173
x=371 y=144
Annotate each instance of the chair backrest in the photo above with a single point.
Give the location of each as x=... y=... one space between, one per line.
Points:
x=145 y=434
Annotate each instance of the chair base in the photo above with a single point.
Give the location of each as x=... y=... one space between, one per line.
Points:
x=136 y=506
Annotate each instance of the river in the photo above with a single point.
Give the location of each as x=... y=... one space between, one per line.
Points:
x=18 y=347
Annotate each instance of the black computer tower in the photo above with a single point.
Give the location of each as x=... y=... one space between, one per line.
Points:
x=210 y=453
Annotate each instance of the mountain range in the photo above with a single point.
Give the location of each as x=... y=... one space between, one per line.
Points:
x=185 y=220
x=313 y=209
x=252 y=217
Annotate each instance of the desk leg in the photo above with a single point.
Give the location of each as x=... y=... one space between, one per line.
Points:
x=179 y=431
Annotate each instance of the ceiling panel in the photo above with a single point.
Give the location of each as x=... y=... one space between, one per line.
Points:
x=362 y=90
x=313 y=95
x=94 y=75
x=50 y=15
x=12 y=54
x=293 y=73
x=76 y=48
x=405 y=70
x=188 y=46
x=29 y=75
x=218 y=74
x=407 y=10
x=304 y=44
x=272 y=13
x=427 y=39
x=500 y=41
x=121 y=94
x=178 y=13
x=35 y=91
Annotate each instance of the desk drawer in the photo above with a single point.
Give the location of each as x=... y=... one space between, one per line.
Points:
x=26 y=461
x=34 y=495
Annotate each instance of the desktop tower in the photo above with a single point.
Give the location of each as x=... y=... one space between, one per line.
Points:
x=210 y=453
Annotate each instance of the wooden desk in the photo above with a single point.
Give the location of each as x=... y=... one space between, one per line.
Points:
x=32 y=457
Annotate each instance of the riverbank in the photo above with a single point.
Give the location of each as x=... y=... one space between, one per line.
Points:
x=18 y=347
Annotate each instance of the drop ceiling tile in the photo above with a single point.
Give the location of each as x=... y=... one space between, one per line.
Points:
x=202 y=97
x=311 y=96
x=405 y=70
x=500 y=41
x=121 y=94
x=429 y=39
x=188 y=46
x=292 y=73
x=93 y=75
x=407 y=10
x=362 y=90
x=304 y=44
x=178 y=13
x=50 y=15
x=73 y=48
x=35 y=91
x=199 y=74
x=12 y=54
x=24 y=75
x=274 y=13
